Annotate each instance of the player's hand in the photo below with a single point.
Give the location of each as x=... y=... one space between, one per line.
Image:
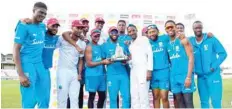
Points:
x=180 y=35
x=106 y=61
x=24 y=81
x=124 y=62
x=187 y=82
x=79 y=78
x=26 y=20
x=209 y=34
x=80 y=50
x=148 y=75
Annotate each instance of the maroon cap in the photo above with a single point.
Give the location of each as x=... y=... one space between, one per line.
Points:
x=99 y=19
x=77 y=23
x=112 y=28
x=53 y=21
x=84 y=20
x=95 y=32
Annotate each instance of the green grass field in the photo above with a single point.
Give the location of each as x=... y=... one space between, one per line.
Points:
x=11 y=96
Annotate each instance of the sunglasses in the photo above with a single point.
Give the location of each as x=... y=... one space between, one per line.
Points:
x=114 y=32
x=169 y=27
x=96 y=36
x=152 y=27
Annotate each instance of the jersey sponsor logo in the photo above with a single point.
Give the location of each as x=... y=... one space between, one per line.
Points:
x=216 y=81
x=161 y=44
x=205 y=47
x=158 y=50
x=174 y=56
x=49 y=46
x=35 y=42
x=177 y=48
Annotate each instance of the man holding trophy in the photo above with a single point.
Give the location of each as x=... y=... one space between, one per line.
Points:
x=117 y=76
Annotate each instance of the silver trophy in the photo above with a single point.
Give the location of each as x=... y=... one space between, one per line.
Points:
x=119 y=55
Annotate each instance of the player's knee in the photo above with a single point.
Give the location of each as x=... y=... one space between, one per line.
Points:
x=164 y=98
x=156 y=97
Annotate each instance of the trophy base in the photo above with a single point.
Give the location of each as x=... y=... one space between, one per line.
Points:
x=118 y=59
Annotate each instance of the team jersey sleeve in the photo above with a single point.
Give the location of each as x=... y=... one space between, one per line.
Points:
x=221 y=52
x=20 y=33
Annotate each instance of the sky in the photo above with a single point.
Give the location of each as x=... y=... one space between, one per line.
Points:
x=215 y=14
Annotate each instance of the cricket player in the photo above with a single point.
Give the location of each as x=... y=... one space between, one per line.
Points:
x=86 y=30
x=117 y=76
x=209 y=53
x=82 y=81
x=95 y=79
x=160 y=74
x=28 y=48
x=99 y=24
x=141 y=68
x=123 y=37
x=49 y=46
x=67 y=72
x=182 y=61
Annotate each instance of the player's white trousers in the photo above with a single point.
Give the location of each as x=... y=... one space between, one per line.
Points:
x=139 y=90
x=67 y=85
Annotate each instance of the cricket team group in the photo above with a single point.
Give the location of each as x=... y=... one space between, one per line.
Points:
x=160 y=63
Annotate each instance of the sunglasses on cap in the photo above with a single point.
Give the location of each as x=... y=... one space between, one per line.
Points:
x=169 y=27
x=96 y=36
x=151 y=27
x=114 y=32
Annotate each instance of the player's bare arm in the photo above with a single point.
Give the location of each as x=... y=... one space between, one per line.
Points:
x=88 y=58
x=189 y=52
x=66 y=36
x=16 y=55
x=80 y=67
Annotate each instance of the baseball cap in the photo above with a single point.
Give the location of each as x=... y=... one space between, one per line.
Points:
x=131 y=25
x=95 y=32
x=112 y=28
x=84 y=20
x=53 y=21
x=99 y=19
x=77 y=23
x=153 y=26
